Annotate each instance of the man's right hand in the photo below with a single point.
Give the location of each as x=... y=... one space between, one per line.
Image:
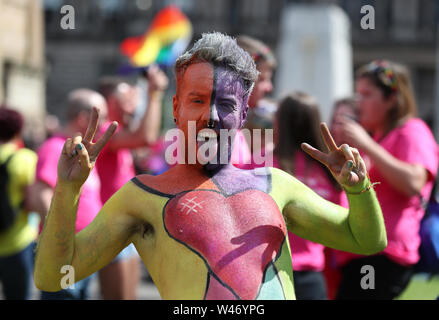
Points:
x=79 y=154
x=344 y=162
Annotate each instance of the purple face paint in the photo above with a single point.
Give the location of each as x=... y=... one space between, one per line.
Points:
x=228 y=99
x=227 y=110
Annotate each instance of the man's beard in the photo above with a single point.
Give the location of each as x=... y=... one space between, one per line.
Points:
x=220 y=158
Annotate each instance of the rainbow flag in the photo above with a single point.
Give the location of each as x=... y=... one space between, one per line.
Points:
x=166 y=38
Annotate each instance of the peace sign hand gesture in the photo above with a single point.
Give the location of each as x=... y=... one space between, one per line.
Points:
x=79 y=154
x=344 y=162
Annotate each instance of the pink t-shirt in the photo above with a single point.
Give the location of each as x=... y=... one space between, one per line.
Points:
x=115 y=168
x=413 y=143
x=307 y=255
x=241 y=151
x=90 y=201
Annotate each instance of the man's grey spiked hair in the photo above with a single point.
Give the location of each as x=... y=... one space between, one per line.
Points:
x=220 y=50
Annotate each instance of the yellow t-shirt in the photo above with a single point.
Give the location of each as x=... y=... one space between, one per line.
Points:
x=21 y=169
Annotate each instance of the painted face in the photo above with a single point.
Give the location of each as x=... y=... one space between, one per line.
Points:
x=210 y=97
x=373 y=107
x=263 y=85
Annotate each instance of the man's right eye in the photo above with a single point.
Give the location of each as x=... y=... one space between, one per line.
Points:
x=198 y=101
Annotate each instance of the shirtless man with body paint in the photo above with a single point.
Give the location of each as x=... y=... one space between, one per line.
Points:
x=208 y=231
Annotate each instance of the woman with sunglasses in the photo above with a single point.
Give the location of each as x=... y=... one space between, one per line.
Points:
x=403 y=158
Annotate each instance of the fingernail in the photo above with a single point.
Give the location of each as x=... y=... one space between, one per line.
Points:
x=80 y=146
x=350 y=164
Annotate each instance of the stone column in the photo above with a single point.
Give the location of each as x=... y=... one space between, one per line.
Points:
x=315 y=54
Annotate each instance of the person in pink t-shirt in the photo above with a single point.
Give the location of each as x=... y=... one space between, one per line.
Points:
x=343 y=108
x=403 y=157
x=90 y=203
x=265 y=64
x=115 y=165
x=258 y=136
x=79 y=105
x=297 y=120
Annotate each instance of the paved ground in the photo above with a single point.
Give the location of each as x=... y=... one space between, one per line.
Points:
x=146 y=291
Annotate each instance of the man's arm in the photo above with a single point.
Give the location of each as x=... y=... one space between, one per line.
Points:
x=57 y=245
x=358 y=230
x=88 y=251
x=148 y=130
x=361 y=229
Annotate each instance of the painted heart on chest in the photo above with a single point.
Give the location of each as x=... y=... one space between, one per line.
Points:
x=237 y=236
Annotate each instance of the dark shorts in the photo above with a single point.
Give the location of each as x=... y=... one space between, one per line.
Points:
x=310 y=285
x=16 y=274
x=79 y=291
x=387 y=280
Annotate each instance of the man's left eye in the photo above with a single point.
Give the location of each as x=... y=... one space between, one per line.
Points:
x=230 y=106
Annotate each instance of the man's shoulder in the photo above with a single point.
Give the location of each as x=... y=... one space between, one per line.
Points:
x=282 y=182
x=174 y=181
x=9 y=149
x=277 y=173
x=22 y=165
x=24 y=156
x=155 y=184
x=25 y=152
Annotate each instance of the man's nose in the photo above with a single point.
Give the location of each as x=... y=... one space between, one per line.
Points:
x=213 y=116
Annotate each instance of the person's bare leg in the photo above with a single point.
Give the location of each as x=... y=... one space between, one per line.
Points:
x=133 y=277
x=113 y=281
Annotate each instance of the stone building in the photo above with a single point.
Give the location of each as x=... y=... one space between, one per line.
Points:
x=405 y=31
x=22 y=61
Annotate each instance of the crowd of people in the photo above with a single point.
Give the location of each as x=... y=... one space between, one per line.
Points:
x=377 y=131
